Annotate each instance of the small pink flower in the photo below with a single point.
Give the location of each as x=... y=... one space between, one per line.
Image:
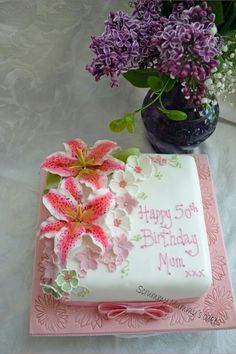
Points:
x=49 y=247
x=121 y=246
x=158 y=160
x=111 y=267
x=87 y=259
x=82 y=273
x=50 y=268
x=110 y=259
x=126 y=202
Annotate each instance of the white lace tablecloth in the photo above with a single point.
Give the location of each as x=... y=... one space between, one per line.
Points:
x=47 y=97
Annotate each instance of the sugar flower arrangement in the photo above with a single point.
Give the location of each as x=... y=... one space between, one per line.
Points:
x=84 y=187
x=154 y=50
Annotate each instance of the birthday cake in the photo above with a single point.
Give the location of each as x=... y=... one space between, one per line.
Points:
x=123 y=231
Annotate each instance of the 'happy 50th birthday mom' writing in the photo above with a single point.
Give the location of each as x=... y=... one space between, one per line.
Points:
x=168 y=235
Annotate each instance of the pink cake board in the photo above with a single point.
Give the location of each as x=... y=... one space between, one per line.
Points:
x=213 y=311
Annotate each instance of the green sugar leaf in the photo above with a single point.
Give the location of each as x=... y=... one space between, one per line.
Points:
x=124 y=154
x=52 y=181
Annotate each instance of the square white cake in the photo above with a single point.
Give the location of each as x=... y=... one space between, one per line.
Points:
x=140 y=237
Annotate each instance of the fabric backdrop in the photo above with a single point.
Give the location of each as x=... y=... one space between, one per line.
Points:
x=46 y=97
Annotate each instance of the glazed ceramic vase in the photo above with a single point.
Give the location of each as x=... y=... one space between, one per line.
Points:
x=168 y=136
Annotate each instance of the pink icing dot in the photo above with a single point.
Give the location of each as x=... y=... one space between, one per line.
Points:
x=116 y=222
x=138 y=169
x=68 y=277
x=123 y=183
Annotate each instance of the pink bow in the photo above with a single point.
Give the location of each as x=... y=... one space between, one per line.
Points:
x=154 y=310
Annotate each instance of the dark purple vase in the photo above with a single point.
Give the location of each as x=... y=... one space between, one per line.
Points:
x=168 y=136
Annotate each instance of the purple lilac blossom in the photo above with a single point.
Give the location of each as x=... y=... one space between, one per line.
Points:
x=117 y=49
x=183 y=45
x=147 y=10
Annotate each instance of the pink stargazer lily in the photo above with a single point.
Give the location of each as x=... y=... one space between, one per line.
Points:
x=72 y=219
x=90 y=166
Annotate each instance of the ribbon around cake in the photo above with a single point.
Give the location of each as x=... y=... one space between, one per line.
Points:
x=154 y=310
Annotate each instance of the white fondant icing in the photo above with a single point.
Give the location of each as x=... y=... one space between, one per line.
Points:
x=170 y=256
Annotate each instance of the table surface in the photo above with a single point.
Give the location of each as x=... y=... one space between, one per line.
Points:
x=47 y=97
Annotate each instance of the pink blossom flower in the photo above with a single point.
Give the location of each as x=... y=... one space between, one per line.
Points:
x=48 y=247
x=89 y=166
x=109 y=258
x=82 y=273
x=126 y=202
x=121 y=246
x=158 y=160
x=87 y=260
x=71 y=218
x=117 y=253
x=50 y=268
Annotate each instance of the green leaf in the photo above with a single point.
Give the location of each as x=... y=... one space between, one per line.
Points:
x=83 y=291
x=170 y=85
x=130 y=122
x=217 y=8
x=124 y=154
x=118 y=125
x=174 y=114
x=52 y=181
x=231 y=20
x=139 y=77
x=155 y=83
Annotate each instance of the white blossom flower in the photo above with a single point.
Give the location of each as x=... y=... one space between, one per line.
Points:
x=140 y=166
x=118 y=222
x=123 y=182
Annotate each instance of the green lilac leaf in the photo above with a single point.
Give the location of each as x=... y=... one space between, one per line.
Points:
x=117 y=125
x=155 y=83
x=170 y=85
x=217 y=8
x=174 y=114
x=124 y=154
x=130 y=122
x=139 y=77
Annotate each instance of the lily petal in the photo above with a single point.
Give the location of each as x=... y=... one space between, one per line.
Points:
x=66 y=240
x=111 y=165
x=92 y=178
x=72 y=186
x=98 y=236
x=60 y=205
x=97 y=207
x=97 y=154
x=72 y=147
x=50 y=227
x=60 y=163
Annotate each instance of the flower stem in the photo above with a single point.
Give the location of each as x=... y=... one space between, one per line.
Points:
x=154 y=100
